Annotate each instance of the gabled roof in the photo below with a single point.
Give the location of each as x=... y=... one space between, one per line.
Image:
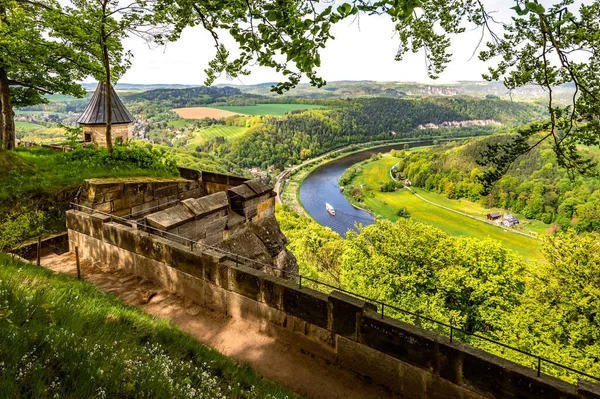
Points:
x=95 y=113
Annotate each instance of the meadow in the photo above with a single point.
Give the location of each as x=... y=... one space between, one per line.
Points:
x=63 y=338
x=229 y=132
x=267 y=109
x=376 y=173
x=27 y=125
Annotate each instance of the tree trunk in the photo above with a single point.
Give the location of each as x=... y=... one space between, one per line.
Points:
x=108 y=87
x=109 y=142
x=7 y=121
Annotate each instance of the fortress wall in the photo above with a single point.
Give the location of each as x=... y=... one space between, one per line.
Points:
x=344 y=330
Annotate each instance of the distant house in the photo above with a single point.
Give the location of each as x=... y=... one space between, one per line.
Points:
x=509 y=220
x=494 y=216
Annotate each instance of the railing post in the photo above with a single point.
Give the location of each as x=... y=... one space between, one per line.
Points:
x=539 y=368
x=77 y=263
x=39 y=251
x=451 y=333
x=382 y=309
x=300 y=281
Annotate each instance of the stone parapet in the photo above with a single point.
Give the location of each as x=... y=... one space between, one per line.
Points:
x=344 y=330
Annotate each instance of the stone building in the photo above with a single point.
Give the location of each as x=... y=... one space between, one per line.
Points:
x=93 y=119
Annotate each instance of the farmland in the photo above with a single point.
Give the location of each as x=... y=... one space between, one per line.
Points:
x=267 y=109
x=229 y=110
x=27 y=125
x=229 y=132
x=375 y=173
x=202 y=112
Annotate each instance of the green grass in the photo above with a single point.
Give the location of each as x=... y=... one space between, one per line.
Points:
x=24 y=112
x=474 y=209
x=266 y=109
x=42 y=180
x=180 y=123
x=42 y=170
x=27 y=125
x=229 y=132
x=387 y=204
x=64 y=338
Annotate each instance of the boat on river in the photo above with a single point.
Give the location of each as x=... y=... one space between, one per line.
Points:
x=330 y=208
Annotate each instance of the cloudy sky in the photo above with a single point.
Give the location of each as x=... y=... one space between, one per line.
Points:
x=361 y=51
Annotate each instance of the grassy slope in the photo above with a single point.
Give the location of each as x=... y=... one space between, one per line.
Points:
x=266 y=109
x=387 y=204
x=41 y=170
x=229 y=132
x=64 y=338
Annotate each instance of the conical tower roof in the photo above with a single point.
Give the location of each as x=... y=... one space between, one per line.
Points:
x=95 y=113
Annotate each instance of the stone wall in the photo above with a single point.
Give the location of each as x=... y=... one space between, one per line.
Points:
x=122 y=197
x=98 y=133
x=346 y=331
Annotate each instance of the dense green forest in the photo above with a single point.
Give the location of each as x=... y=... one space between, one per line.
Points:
x=549 y=309
x=295 y=137
x=534 y=186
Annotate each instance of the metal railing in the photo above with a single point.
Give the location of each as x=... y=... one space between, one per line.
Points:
x=380 y=306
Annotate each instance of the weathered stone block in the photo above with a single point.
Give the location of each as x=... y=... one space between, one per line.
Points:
x=211 y=260
x=144 y=207
x=215 y=297
x=194 y=193
x=345 y=312
x=272 y=291
x=246 y=281
x=152 y=246
x=485 y=373
x=588 y=390
x=305 y=303
x=526 y=384
x=75 y=220
x=98 y=220
x=166 y=191
x=153 y=270
x=120 y=235
x=382 y=368
x=185 y=260
x=240 y=307
x=397 y=339
x=187 y=285
x=449 y=360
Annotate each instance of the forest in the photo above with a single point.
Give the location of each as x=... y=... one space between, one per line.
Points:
x=534 y=186
x=550 y=309
x=295 y=137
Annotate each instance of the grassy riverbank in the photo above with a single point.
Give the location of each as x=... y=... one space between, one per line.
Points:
x=64 y=338
x=375 y=173
x=290 y=195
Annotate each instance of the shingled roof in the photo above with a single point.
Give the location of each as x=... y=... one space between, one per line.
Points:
x=95 y=113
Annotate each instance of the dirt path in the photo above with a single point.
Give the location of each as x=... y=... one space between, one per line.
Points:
x=308 y=376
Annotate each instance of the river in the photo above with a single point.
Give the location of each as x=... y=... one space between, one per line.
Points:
x=321 y=186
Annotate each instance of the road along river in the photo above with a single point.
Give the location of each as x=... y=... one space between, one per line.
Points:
x=321 y=186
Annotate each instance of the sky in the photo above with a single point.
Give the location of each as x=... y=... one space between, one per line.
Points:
x=360 y=51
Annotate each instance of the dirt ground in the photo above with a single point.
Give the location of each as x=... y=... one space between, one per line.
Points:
x=305 y=374
x=203 y=112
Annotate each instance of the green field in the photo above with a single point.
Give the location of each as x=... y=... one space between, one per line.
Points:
x=387 y=204
x=181 y=123
x=24 y=112
x=266 y=109
x=229 y=132
x=28 y=125
x=63 y=338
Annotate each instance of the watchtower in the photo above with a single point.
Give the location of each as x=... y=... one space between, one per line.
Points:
x=93 y=119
